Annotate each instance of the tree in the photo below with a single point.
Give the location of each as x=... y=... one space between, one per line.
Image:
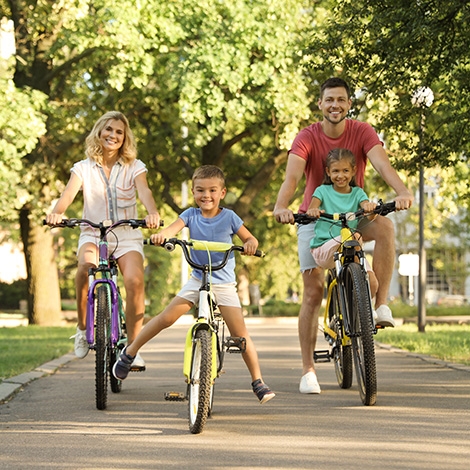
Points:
x=201 y=81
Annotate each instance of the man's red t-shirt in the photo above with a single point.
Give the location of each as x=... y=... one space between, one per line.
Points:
x=313 y=146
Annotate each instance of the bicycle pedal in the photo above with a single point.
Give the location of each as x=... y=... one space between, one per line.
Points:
x=175 y=396
x=137 y=368
x=322 y=355
x=235 y=344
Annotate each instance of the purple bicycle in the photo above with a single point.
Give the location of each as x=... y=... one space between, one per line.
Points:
x=105 y=317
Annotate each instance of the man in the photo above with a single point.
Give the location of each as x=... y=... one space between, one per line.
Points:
x=307 y=156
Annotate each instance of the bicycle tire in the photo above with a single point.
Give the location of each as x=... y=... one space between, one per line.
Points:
x=103 y=308
x=341 y=354
x=360 y=317
x=200 y=381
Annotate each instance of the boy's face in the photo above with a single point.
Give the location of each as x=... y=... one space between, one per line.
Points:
x=208 y=192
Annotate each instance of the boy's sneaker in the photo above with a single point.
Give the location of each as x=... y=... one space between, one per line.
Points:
x=309 y=383
x=262 y=391
x=81 y=344
x=383 y=316
x=123 y=365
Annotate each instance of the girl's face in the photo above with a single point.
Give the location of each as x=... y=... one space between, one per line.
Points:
x=112 y=136
x=341 y=173
x=208 y=192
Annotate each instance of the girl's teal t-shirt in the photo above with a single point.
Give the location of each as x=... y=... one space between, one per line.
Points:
x=333 y=202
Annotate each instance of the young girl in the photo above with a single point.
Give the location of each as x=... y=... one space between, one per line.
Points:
x=338 y=193
x=209 y=222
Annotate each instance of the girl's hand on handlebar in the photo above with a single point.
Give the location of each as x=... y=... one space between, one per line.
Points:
x=54 y=219
x=152 y=220
x=315 y=212
x=368 y=206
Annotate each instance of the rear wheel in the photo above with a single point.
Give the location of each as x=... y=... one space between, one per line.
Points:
x=360 y=316
x=342 y=354
x=200 y=384
x=103 y=309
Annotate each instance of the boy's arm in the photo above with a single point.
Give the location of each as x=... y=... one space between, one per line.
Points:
x=250 y=243
x=152 y=220
x=168 y=232
x=73 y=186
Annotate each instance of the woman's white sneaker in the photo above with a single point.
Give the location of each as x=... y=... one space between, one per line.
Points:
x=81 y=344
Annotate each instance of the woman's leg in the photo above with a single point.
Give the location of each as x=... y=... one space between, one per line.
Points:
x=87 y=258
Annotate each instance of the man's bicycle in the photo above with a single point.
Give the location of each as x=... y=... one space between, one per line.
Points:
x=105 y=317
x=206 y=342
x=348 y=322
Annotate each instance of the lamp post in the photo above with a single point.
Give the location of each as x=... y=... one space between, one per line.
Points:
x=422 y=98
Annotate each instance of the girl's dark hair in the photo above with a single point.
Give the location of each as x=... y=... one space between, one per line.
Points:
x=336 y=155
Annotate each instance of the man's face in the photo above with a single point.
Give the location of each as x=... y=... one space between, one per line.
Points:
x=335 y=104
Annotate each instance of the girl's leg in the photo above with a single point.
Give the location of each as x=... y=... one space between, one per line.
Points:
x=177 y=307
x=233 y=317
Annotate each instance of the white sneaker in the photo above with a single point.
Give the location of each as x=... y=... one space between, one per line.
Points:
x=138 y=364
x=81 y=344
x=309 y=383
x=383 y=316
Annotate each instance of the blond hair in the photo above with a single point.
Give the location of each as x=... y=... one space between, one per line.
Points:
x=209 y=171
x=93 y=149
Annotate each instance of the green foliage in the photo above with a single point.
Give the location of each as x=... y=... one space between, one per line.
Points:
x=11 y=294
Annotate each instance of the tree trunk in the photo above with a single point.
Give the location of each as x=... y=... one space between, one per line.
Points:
x=44 y=306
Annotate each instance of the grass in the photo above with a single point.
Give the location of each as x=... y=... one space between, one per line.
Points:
x=24 y=348
x=447 y=342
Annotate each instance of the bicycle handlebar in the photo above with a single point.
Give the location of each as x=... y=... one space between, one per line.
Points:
x=71 y=223
x=202 y=245
x=381 y=209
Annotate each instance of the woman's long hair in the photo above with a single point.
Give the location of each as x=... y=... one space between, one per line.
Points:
x=93 y=149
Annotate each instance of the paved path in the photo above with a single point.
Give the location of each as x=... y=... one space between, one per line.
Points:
x=421 y=420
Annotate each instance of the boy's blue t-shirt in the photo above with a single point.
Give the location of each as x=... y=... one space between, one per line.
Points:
x=333 y=202
x=220 y=228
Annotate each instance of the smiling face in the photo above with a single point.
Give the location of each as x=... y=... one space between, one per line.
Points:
x=335 y=104
x=208 y=192
x=341 y=173
x=112 y=136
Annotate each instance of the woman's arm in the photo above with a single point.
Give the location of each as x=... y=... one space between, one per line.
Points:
x=145 y=195
x=73 y=186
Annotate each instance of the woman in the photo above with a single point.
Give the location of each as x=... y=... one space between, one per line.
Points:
x=109 y=177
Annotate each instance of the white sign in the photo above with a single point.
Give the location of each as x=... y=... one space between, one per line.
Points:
x=408 y=265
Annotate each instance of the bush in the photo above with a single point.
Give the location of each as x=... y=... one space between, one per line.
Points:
x=11 y=294
x=279 y=308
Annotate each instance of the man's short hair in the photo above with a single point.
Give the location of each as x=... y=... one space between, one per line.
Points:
x=334 y=82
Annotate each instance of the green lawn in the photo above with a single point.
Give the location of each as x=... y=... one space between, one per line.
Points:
x=24 y=348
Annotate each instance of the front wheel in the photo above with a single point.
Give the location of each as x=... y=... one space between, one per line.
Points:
x=342 y=353
x=200 y=381
x=360 y=319
x=103 y=311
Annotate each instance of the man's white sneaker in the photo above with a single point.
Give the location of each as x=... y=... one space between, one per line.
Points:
x=383 y=316
x=81 y=344
x=309 y=383
x=138 y=364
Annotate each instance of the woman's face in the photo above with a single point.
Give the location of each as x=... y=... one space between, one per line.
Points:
x=112 y=136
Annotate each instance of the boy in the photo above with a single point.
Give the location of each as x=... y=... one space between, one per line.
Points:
x=206 y=222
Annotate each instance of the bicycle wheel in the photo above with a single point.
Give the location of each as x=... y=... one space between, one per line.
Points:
x=103 y=308
x=360 y=318
x=342 y=354
x=200 y=382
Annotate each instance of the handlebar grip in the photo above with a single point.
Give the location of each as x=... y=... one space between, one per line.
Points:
x=260 y=254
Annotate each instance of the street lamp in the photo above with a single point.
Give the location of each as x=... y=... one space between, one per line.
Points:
x=422 y=98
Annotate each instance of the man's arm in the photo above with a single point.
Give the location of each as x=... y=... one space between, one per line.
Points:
x=381 y=163
x=294 y=172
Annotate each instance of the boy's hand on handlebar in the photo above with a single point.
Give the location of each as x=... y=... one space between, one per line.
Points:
x=54 y=219
x=250 y=246
x=158 y=239
x=152 y=220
